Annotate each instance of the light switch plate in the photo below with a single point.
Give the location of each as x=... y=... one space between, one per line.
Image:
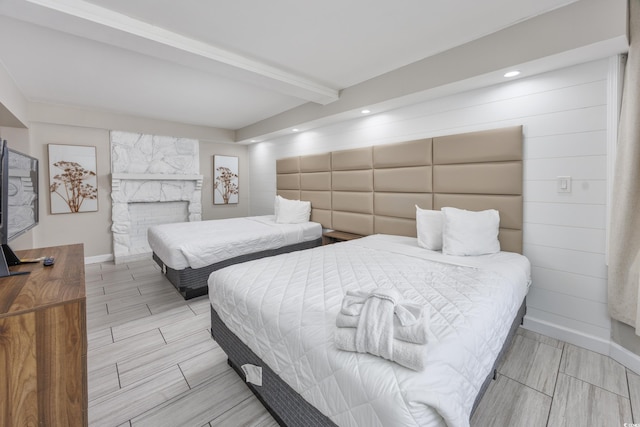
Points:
x=564 y=184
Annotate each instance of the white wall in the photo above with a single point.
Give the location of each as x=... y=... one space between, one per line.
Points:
x=564 y=114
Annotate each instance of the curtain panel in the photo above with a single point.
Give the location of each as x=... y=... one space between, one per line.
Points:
x=624 y=242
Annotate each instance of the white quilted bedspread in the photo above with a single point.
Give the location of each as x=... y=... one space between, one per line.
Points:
x=284 y=308
x=201 y=243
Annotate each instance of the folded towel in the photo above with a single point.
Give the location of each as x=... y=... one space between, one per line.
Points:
x=410 y=322
x=374 y=333
x=416 y=332
x=412 y=356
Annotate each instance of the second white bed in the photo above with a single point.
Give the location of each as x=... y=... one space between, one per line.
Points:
x=201 y=243
x=188 y=252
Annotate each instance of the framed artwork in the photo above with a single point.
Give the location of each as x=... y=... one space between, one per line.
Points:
x=73 y=183
x=225 y=180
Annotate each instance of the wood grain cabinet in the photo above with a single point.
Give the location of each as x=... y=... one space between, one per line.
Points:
x=43 y=341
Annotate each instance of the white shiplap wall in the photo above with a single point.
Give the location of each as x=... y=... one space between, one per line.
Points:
x=564 y=114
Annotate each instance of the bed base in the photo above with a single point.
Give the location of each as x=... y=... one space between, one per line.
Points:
x=192 y=282
x=286 y=406
x=517 y=322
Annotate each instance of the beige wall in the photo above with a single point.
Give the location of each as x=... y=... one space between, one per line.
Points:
x=90 y=228
x=69 y=126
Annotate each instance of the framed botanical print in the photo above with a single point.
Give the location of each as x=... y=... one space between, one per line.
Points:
x=225 y=180
x=73 y=183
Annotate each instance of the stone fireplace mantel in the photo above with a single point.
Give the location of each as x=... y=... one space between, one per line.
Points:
x=129 y=188
x=116 y=177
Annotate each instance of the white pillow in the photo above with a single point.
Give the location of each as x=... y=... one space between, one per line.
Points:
x=292 y=211
x=276 y=205
x=429 y=228
x=470 y=233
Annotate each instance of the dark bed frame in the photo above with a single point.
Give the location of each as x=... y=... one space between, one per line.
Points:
x=286 y=406
x=192 y=282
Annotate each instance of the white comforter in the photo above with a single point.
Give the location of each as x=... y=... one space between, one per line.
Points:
x=202 y=243
x=284 y=308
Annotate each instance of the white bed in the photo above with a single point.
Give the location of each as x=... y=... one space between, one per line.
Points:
x=284 y=309
x=194 y=249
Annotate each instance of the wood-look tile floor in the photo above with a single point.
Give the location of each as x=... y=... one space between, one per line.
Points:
x=152 y=362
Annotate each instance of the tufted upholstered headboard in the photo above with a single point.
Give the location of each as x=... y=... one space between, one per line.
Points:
x=375 y=189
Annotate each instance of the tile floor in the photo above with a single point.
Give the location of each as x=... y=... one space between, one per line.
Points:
x=152 y=362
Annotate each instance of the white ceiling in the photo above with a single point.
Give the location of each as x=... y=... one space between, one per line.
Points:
x=229 y=64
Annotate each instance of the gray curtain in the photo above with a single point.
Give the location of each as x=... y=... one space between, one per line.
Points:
x=624 y=237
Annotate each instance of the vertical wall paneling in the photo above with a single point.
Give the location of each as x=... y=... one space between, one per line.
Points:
x=566 y=122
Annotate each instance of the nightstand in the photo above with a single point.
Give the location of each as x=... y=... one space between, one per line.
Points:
x=329 y=237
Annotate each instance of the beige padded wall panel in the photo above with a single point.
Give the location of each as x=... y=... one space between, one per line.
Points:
x=356 y=180
x=412 y=153
x=288 y=181
x=396 y=226
x=352 y=202
x=401 y=205
x=289 y=194
x=315 y=181
x=510 y=240
x=403 y=180
x=315 y=185
x=352 y=222
x=318 y=199
x=484 y=170
x=357 y=158
x=288 y=165
x=478 y=178
x=497 y=145
x=352 y=190
x=288 y=178
x=316 y=163
x=510 y=207
x=321 y=216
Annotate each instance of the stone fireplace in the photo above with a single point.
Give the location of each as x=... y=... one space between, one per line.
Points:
x=149 y=171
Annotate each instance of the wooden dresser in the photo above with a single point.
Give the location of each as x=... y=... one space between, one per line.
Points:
x=43 y=341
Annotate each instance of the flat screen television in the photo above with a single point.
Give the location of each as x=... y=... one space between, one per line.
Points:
x=18 y=201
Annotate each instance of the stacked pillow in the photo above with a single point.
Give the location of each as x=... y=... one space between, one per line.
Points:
x=458 y=231
x=291 y=211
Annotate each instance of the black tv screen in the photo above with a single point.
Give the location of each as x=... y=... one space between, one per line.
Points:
x=18 y=202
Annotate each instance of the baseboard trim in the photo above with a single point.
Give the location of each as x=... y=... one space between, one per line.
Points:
x=626 y=357
x=98 y=258
x=590 y=342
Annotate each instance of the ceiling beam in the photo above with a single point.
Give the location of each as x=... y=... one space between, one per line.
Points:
x=265 y=75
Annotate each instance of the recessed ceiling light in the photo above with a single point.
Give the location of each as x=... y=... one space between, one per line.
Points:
x=365 y=111
x=512 y=73
x=295 y=130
